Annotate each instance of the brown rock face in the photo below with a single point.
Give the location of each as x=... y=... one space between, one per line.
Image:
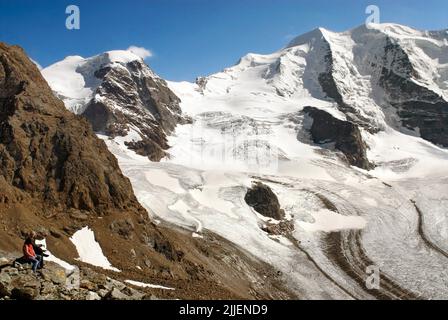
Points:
x=345 y=136
x=46 y=152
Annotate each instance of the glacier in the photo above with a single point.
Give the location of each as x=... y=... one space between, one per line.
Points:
x=248 y=126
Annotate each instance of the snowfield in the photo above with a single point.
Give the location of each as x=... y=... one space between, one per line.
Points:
x=248 y=126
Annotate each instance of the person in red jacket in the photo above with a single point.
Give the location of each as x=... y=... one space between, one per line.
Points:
x=30 y=255
x=38 y=250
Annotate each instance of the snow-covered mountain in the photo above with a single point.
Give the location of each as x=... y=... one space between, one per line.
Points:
x=386 y=75
x=120 y=96
x=349 y=131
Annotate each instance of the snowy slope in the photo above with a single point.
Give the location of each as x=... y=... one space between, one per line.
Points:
x=248 y=126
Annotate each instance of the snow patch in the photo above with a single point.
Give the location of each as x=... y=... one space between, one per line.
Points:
x=89 y=249
x=146 y=285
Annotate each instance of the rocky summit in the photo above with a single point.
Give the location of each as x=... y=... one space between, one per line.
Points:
x=121 y=96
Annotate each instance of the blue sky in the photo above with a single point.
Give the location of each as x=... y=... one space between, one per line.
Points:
x=190 y=38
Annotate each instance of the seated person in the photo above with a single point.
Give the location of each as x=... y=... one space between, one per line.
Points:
x=30 y=255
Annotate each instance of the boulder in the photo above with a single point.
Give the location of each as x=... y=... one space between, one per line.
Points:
x=24 y=293
x=4 y=290
x=133 y=294
x=4 y=262
x=13 y=271
x=116 y=294
x=88 y=285
x=54 y=274
x=25 y=287
x=102 y=293
x=51 y=283
x=92 y=296
x=48 y=291
x=5 y=280
x=114 y=284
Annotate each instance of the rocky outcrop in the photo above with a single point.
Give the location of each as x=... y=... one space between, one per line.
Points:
x=149 y=148
x=343 y=135
x=264 y=201
x=417 y=107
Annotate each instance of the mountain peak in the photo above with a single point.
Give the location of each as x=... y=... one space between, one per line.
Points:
x=122 y=56
x=118 y=93
x=313 y=35
x=107 y=58
x=390 y=29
